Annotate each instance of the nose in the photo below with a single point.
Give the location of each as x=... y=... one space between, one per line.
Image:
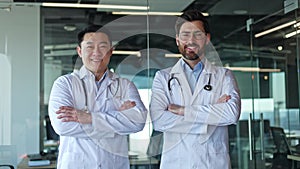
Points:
x=191 y=38
x=98 y=52
x=96 y=49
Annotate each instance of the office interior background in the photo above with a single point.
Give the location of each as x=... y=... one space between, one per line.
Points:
x=257 y=39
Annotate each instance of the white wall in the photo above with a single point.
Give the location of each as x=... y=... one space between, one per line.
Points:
x=20 y=78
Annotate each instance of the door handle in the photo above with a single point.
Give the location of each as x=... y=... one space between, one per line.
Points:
x=250 y=135
x=262 y=135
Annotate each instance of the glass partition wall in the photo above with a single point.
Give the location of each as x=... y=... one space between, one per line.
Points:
x=265 y=65
x=274 y=50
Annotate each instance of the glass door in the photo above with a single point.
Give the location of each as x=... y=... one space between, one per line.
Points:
x=274 y=101
x=267 y=71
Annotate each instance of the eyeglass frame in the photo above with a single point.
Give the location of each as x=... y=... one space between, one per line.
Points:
x=204 y=34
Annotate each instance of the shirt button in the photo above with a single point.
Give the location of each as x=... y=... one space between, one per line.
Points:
x=194 y=166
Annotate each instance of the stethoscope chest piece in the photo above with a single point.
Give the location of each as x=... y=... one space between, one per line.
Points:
x=208 y=87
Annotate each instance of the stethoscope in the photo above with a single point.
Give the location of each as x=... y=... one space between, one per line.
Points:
x=207 y=87
x=113 y=94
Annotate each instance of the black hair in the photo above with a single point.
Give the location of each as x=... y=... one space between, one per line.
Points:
x=92 y=28
x=189 y=16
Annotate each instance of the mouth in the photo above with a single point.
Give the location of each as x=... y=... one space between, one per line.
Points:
x=96 y=60
x=190 y=48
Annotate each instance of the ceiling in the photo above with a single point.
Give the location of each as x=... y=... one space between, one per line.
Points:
x=227 y=19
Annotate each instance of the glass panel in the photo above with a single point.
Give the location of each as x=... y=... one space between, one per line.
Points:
x=19 y=86
x=130 y=56
x=277 y=84
x=266 y=68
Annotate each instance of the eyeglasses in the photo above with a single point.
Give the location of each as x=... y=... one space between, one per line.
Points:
x=199 y=35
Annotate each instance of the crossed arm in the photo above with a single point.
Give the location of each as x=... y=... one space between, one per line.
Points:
x=70 y=114
x=179 y=110
x=68 y=120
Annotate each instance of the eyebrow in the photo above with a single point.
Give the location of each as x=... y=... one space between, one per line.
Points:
x=101 y=43
x=192 y=31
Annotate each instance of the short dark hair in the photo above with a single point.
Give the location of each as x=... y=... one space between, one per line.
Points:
x=93 y=28
x=189 y=16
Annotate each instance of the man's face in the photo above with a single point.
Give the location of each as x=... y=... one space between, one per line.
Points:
x=95 y=51
x=192 y=39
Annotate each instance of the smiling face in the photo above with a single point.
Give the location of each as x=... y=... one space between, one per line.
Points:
x=95 y=52
x=191 y=40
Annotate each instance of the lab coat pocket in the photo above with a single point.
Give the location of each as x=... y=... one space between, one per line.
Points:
x=71 y=160
x=218 y=152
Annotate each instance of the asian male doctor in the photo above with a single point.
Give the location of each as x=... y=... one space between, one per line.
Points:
x=93 y=110
x=194 y=101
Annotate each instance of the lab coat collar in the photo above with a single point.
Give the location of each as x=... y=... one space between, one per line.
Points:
x=208 y=67
x=112 y=76
x=177 y=71
x=177 y=68
x=84 y=72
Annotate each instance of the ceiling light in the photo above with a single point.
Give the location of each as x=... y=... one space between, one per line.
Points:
x=151 y=13
x=274 y=29
x=172 y=55
x=125 y=52
x=292 y=34
x=297 y=25
x=70 y=28
x=103 y=6
x=252 y=69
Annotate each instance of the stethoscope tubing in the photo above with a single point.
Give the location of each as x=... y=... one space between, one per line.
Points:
x=207 y=87
x=109 y=87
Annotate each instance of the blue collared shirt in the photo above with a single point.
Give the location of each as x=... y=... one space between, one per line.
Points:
x=99 y=82
x=192 y=75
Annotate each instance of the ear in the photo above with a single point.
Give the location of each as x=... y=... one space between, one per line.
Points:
x=78 y=49
x=111 y=50
x=177 y=40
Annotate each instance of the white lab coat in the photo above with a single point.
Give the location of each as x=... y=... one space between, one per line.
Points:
x=199 y=139
x=102 y=144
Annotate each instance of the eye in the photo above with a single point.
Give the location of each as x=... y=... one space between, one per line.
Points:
x=89 y=47
x=199 y=35
x=184 y=34
x=103 y=46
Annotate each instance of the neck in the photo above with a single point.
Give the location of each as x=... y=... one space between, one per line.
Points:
x=192 y=63
x=99 y=75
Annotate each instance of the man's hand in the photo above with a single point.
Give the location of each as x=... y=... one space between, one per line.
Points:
x=224 y=98
x=127 y=105
x=70 y=114
x=176 y=109
x=179 y=110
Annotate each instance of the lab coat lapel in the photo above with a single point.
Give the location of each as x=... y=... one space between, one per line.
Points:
x=106 y=84
x=177 y=72
x=208 y=71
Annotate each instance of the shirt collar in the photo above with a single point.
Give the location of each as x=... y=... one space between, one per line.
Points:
x=84 y=72
x=198 y=67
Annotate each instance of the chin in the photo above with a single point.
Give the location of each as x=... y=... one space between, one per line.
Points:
x=191 y=56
